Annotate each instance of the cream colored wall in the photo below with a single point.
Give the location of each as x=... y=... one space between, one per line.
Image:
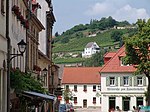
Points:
x=42 y=17
x=3 y=56
x=3 y=75
x=88 y=95
x=120 y=91
x=42 y=63
x=17 y=32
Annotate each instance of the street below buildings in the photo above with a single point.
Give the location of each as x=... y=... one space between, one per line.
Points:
x=88 y=110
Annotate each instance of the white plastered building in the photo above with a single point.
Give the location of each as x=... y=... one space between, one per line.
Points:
x=90 y=49
x=119 y=86
x=84 y=82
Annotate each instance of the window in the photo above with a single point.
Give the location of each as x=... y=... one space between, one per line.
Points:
x=126 y=81
x=17 y=59
x=75 y=87
x=139 y=81
x=112 y=81
x=94 y=87
x=44 y=79
x=2 y=7
x=75 y=99
x=100 y=100
x=94 y=100
x=85 y=88
x=14 y=60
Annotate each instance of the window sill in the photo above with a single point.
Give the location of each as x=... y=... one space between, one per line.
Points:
x=140 y=85
x=112 y=85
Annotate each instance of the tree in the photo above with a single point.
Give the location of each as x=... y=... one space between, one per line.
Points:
x=56 y=34
x=95 y=60
x=67 y=95
x=138 y=51
x=116 y=35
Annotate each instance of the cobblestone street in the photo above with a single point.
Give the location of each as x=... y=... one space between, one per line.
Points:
x=88 y=110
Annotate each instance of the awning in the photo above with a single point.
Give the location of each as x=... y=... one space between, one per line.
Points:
x=45 y=96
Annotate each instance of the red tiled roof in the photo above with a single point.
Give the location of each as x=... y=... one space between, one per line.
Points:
x=81 y=75
x=113 y=65
x=109 y=54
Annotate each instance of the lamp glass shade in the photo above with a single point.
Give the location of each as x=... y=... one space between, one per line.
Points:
x=22 y=46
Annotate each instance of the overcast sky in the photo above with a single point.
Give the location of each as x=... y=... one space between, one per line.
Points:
x=69 y=13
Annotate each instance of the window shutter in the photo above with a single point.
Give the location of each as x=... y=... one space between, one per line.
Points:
x=107 y=81
x=130 y=80
x=116 y=81
x=144 y=81
x=121 y=81
x=135 y=81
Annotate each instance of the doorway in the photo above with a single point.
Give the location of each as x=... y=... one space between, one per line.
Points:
x=126 y=103
x=139 y=101
x=84 y=103
x=112 y=102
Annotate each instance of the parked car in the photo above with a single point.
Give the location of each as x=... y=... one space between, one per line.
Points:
x=69 y=107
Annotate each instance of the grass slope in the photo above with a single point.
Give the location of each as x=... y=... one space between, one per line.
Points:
x=78 y=44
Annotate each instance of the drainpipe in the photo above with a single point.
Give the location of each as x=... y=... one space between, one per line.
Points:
x=8 y=55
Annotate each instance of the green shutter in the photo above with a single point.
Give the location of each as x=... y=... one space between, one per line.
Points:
x=121 y=81
x=144 y=81
x=116 y=81
x=107 y=81
x=130 y=80
x=135 y=81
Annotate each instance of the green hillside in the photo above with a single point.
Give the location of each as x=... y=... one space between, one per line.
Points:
x=74 y=40
x=78 y=44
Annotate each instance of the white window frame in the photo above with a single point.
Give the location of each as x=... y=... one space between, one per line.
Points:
x=126 y=80
x=139 y=81
x=112 y=81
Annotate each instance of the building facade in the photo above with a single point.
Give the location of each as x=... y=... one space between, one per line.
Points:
x=90 y=49
x=3 y=57
x=120 y=86
x=84 y=83
x=17 y=28
x=35 y=26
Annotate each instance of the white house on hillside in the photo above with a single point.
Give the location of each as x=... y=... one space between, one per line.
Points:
x=84 y=82
x=90 y=49
x=120 y=87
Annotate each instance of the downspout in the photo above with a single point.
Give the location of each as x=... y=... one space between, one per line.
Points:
x=8 y=55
